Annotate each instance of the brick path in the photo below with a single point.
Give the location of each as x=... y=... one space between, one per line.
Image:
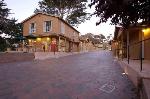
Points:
x=92 y=75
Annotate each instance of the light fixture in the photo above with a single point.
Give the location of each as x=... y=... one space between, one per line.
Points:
x=38 y=39
x=146 y=31
x=143 y=30
x=29 y=40
x=48 y=39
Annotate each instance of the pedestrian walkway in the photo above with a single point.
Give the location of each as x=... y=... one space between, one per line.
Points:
x=134 y=71
x=92 y=75
x=48 y=55
x=136 y=65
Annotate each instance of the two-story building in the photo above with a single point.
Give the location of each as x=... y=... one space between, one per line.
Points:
x=45 y=32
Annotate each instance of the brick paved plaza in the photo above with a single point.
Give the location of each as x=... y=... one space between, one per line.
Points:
x=92 y=75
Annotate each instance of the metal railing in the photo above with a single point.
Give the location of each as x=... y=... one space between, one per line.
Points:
x=135 y=51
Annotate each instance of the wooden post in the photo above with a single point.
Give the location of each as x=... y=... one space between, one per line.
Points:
x=65 y=45
x=122 y=44
x=59 y=44
x=128 y=46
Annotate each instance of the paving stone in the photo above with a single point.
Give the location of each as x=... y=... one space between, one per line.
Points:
x=72 y=77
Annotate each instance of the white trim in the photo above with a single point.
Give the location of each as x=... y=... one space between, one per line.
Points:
x=62 y=26
x=32 y=30
x=44 y=26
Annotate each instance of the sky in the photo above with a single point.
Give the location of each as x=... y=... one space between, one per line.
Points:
x=22 y=9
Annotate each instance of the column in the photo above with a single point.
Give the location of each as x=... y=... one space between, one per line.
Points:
x=65 y=45
x=59 y=44
x=128 y=46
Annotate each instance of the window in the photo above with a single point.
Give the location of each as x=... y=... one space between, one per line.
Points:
x=62 y=28
x=47 y=26
x=32 y=28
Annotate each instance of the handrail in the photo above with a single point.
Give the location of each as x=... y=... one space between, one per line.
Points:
x=139 y=42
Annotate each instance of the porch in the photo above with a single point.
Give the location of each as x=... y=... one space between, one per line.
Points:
x=132 y=50
x=48 y=43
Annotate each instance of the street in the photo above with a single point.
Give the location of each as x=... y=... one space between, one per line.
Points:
x=91 y=75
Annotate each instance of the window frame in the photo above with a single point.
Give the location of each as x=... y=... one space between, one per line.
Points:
x=45 y=27
x=32 y=27
x=62 y=26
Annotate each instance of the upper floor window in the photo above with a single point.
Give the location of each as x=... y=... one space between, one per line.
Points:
x=47 y=26
x=62 y=28
x=32 y=28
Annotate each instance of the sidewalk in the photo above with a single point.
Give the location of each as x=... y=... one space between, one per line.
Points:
x=13 y=56
x=135 y=64
x=48 y=55
x=134 y=73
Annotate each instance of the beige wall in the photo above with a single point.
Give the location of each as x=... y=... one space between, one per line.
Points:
x=69 y=31
x=134 y=50
x=114 y=47
x=39 y=19
x=86 y=46
x=75 y=47
x=147 y=46
x=56 y=26
x=135 y=36
x=83 y=46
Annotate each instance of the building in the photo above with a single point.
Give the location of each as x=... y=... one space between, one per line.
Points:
x=45 y=32
x=132 y=43
x=86 y=44
x=131 y=47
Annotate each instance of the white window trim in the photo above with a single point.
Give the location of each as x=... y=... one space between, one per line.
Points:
x=32 y=30
x=44 y=27
x=62 y=28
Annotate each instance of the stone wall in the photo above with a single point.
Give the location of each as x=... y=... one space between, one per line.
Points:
x=7 y=57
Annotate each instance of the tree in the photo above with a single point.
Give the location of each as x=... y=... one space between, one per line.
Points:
x=96 y=39
x=8 y=27
x=102 y=37
x=99 y=38
x=3 y=16
x=73 y=11
x=122 y=12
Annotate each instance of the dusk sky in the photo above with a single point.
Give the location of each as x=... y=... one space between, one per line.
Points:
x=22 y=9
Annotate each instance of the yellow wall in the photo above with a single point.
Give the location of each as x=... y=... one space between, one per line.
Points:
x=147 y=44
x=134 y=50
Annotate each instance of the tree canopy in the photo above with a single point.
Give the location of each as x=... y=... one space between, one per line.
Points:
x=122 y=12
x=4 y=12
x=96 y=39
x=72 y=11
x=8 y=27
